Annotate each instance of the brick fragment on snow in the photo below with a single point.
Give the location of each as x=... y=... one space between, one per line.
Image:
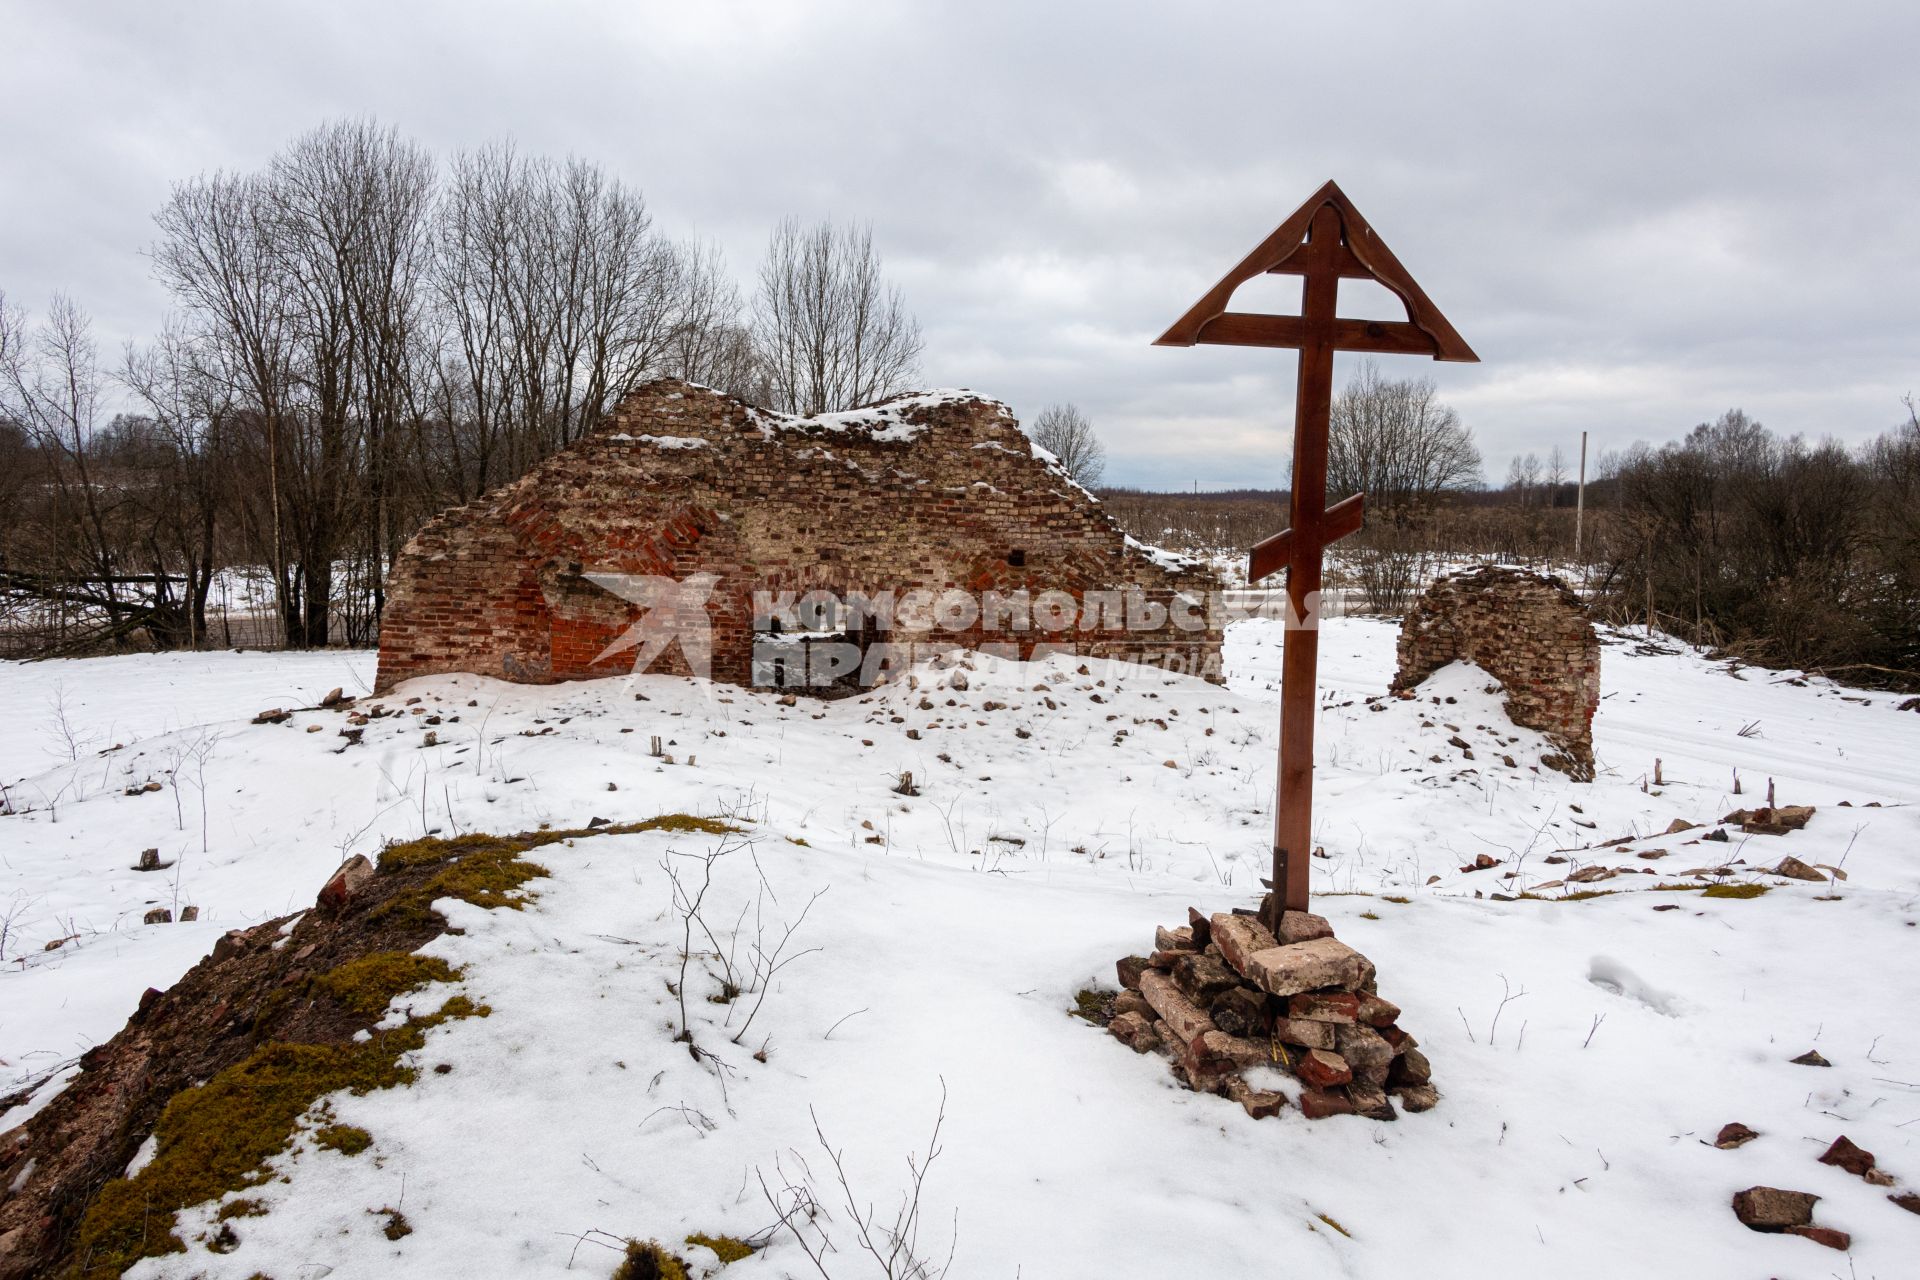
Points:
x=1416 y=1098
x=1733 y=1135
x=1318 y=1104
x=1771 y=1209
x=1258 y=1103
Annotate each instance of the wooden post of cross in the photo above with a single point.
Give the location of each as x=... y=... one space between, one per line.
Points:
x=1324 y=242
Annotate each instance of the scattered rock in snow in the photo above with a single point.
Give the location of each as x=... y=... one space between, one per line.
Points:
x=159 y=915
x=1261 y=1104
x=1771 y=820
x=1771 y=1209
x=1794 y=869
x=1858 y=1161
x=1733 y=1135
x=349 y=879
x=150 y=861
x=1811 y=1058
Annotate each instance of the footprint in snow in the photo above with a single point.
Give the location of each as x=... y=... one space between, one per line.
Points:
x=1610 y=975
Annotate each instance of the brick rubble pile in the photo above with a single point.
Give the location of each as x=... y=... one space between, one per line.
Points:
x=1222 y=995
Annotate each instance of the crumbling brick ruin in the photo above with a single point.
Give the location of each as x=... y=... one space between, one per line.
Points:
x=1222 y=996
x=931 y=492
x=1529 y=632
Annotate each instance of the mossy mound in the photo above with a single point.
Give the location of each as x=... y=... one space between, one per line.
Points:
x=218 y=1137
x=646 y=1260
x=367 y=985
x=488 y=871
x=227 y=1065
x=726 y=1248
x=1734 y=890
x=347 y=1139
x=1095 y=1006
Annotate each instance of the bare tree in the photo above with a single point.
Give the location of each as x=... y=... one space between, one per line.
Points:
x=1556 y=472
x=1066 y=433
x=1395 y=442
x=709 y=342
x=831 y=332
x=1523 y=478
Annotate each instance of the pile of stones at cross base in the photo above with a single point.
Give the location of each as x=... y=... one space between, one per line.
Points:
x=1224 y=998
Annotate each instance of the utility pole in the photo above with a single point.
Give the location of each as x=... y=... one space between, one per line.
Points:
x=1580 y=510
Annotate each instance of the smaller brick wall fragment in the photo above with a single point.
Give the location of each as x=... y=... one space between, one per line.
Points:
x=1526 y=630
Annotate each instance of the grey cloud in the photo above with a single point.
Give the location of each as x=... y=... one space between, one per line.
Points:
x=1638 y=214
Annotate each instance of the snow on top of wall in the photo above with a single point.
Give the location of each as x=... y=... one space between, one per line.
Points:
x=663 y=442
x=1171 y=561
x=886 y=422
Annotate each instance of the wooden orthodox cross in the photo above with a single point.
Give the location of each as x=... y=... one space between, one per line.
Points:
x=1325 y=241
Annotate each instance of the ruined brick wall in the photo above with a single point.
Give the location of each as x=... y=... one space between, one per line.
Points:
x=1529 y=632
x=924 y=492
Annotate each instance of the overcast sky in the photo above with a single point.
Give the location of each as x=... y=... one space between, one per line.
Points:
x=1639 y=215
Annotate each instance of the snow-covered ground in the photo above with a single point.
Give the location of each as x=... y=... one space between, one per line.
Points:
x=1051 y=833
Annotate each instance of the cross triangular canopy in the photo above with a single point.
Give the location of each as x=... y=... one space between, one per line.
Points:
x=1295 y=249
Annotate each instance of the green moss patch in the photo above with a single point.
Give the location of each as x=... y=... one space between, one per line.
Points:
x=1583 y=895
x=646 y=1260
x=347 y=1139
x=726 y=1248
x=488 y=870
x=1095 y=1006
x=1734 y=891
x=367 y=985
x=217 y=1138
